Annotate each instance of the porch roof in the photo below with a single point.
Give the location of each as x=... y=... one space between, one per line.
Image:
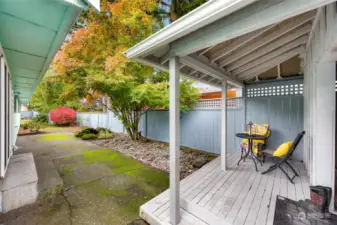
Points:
x=234 y=40
x=31 y=32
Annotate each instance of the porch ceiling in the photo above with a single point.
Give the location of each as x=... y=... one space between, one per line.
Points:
x=31 y=33
x=267 y=51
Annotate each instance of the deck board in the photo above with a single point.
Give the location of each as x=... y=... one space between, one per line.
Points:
x=272 y=201
x=238 y=196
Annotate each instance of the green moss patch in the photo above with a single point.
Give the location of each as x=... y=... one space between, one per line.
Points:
x=103 y=135
x=117 y=162
x=57 y=137
x=115 y=184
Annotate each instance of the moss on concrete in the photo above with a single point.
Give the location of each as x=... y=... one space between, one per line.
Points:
x=117 y=162
x=120 y=182
x=57 y=137
x=50 y=192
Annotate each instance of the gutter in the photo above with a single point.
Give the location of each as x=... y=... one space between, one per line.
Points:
x=200 y=17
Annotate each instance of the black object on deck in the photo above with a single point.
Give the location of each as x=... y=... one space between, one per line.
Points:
x=290 y=212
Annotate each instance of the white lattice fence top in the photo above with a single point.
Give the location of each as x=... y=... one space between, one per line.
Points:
x=232 y=103
x=276 y=90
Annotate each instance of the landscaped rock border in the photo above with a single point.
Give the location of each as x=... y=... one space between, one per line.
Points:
x=156 y=154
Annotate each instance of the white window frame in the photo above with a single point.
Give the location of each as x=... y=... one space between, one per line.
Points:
x=6 y=111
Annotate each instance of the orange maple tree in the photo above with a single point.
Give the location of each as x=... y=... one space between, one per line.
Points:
x=91 y=63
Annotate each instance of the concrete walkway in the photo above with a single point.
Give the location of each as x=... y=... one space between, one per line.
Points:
x=100 y=186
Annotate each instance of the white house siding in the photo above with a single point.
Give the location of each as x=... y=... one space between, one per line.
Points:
x=9 y=120
x=319 y=98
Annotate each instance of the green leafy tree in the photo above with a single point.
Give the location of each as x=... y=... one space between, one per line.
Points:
x=47 y=95
x=91 y=64
x=174 y=9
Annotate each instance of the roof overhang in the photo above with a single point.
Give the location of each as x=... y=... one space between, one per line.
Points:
x=31 y=33
x=232 y=40
x=200 y=17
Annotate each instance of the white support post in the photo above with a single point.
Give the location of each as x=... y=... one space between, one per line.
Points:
x=174 y=141
x=2 y=116
x=224 y=126
x=324 y=124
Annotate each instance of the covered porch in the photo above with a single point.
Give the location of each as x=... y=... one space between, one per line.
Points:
x=244 y=44
x=239 y=195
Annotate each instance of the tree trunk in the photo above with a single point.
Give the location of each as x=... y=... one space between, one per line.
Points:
x=173 y=11
x=131 y=123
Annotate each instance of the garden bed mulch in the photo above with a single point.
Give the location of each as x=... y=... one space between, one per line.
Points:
x=49 y=129
x=156 y=154
x=23 y=132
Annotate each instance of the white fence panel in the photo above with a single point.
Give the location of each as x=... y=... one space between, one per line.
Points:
x=106 y=120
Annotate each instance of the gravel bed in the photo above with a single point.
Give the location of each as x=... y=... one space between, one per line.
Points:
x=156 y=154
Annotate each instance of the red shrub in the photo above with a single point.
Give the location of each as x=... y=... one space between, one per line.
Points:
x=63 y=115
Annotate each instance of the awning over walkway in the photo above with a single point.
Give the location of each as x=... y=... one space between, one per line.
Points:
x=31 y=32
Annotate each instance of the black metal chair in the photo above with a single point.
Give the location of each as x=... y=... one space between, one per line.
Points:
x=284 y=159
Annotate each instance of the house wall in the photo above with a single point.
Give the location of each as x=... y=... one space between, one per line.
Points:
x=282 y=110
x=319 y=98
x=9 y=123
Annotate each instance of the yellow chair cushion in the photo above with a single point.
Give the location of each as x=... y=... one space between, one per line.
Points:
x=283 y=149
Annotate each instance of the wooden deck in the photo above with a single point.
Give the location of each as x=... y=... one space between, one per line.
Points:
x=239 y=196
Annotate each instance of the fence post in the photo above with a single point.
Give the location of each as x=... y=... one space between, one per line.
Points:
x=224 y=126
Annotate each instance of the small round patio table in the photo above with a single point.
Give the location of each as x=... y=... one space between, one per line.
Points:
x=250 y=138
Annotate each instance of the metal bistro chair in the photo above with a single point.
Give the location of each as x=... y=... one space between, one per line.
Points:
x=284 y=159
x=258 y=145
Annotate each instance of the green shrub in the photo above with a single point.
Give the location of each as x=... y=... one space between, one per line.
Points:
x=25 y=126
x=87 y=131
x=89 y=136
x=103 y=130
x=35 y=126
x=42 y=117
x=103 y=135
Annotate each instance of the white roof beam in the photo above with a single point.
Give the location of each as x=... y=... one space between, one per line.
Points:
x=152 y=62
x=206 y=69
x=270 y=64
x=314 y=25
x=205 y=50
x=255 y=16
x=279 y=74
x=291 y=25
x=273 y=54
x=194 y=71
x=240 y=41
x=211 y=79
x=165 y=58
x=270 y=47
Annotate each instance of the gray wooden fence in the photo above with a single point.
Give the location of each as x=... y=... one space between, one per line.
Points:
x=279 y=104
x=200 y=128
